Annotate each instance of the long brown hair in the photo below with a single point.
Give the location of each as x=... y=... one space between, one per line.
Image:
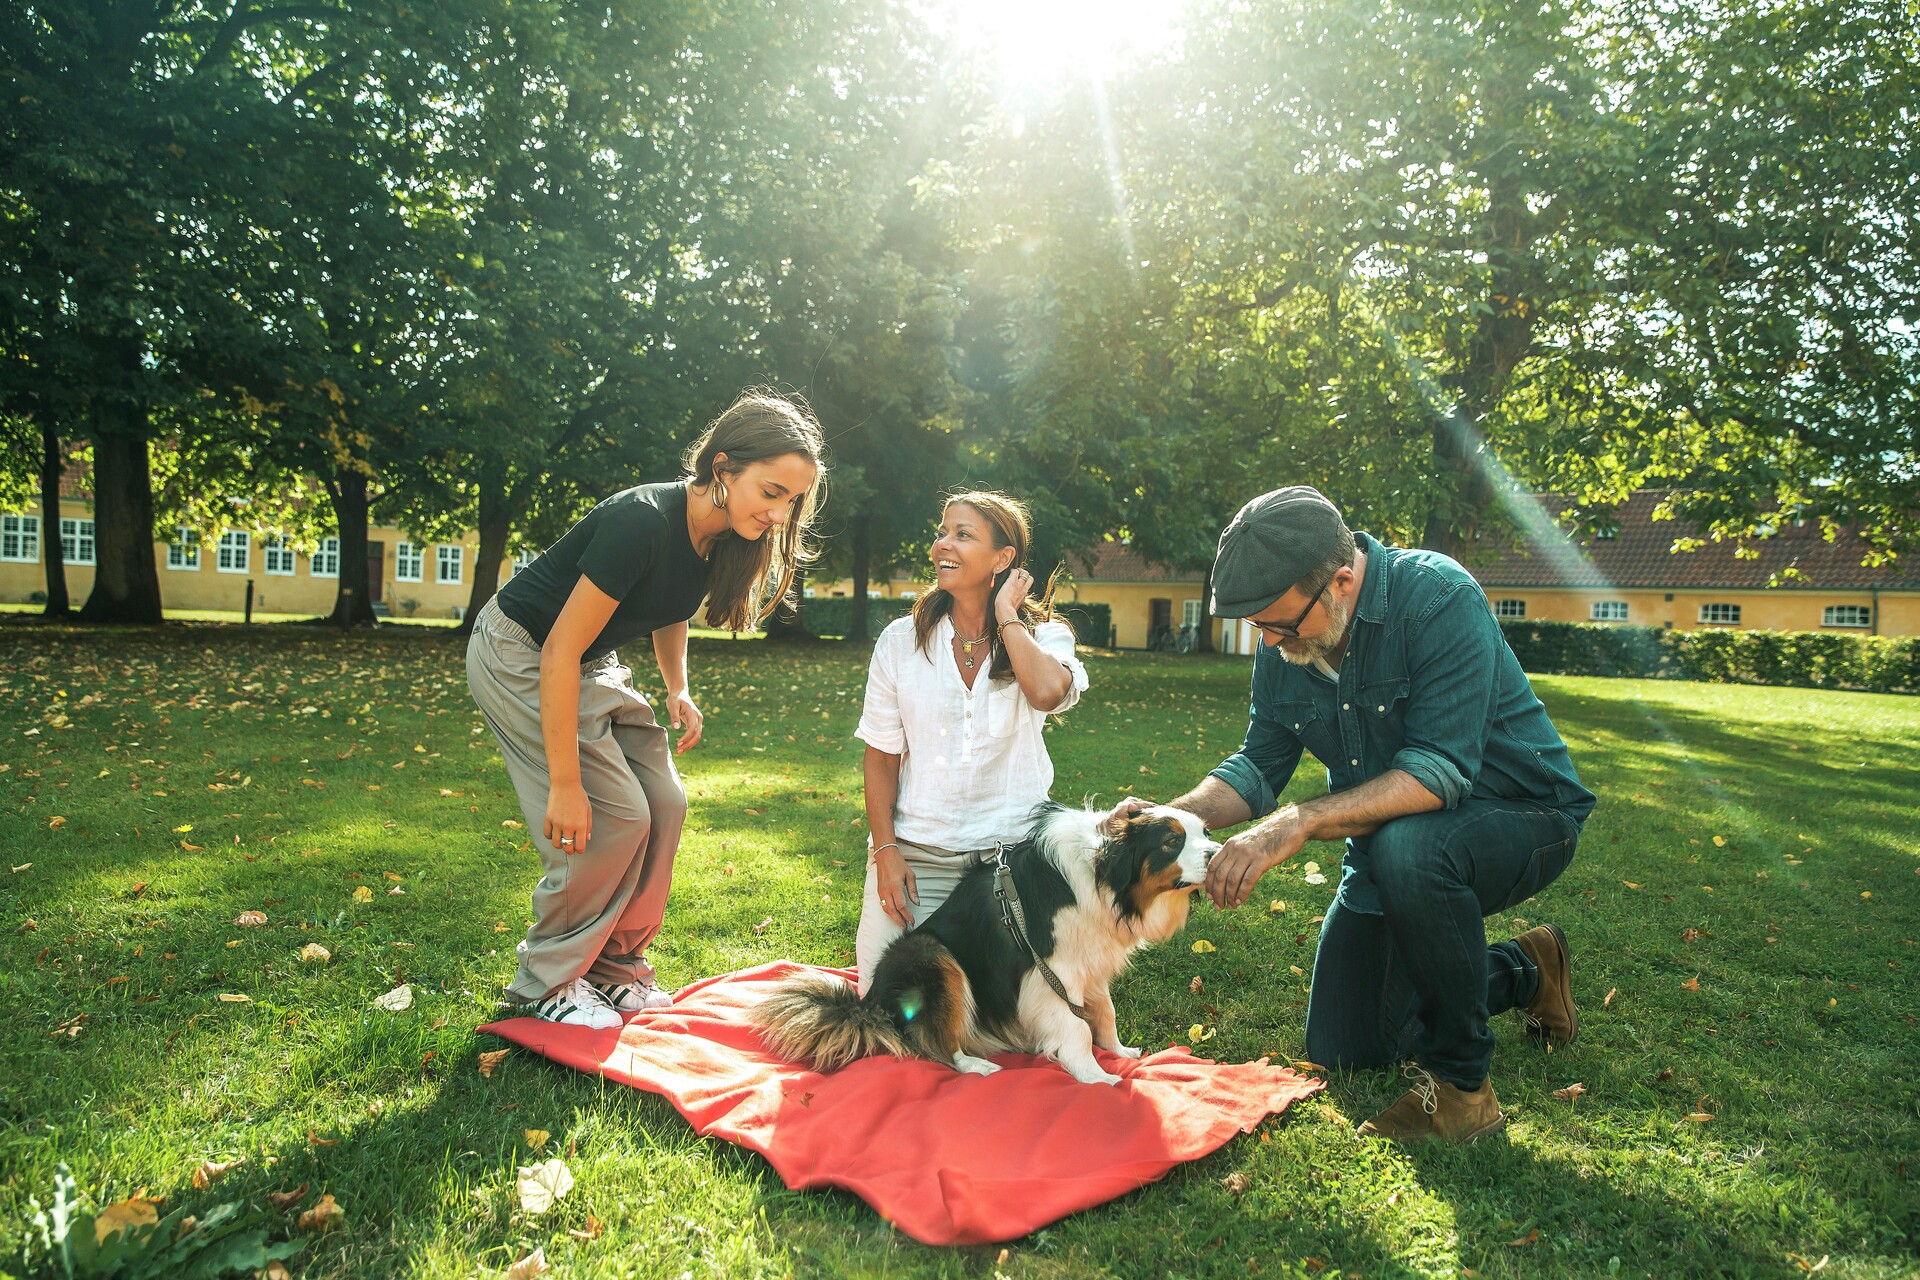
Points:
x=1012 y=527
x=748 y=579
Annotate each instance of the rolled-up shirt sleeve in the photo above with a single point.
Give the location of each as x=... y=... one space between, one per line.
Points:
x=1450 y=695
x=1056 y=640
x=880 y=724
x=1260 y=770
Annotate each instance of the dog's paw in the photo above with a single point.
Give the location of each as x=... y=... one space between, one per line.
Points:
x=1126 y=1051
x=972 y=1066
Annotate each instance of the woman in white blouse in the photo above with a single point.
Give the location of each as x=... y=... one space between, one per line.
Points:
x=957 y=698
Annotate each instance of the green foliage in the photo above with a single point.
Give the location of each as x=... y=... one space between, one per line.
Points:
x=220 y=1240
x=833 y=615
x=1815 y=659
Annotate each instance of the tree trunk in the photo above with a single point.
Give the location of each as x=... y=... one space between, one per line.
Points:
x=52 y=467
x=496 y=522
x=785 y=623
x=353 y=604
x=862 y=567
x=126 y=585
x=1205 y=637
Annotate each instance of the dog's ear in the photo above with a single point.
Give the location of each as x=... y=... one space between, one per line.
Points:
x=1119 y=825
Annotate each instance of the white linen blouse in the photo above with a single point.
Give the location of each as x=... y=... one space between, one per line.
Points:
x=974 y=761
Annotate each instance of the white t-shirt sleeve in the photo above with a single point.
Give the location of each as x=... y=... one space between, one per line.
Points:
x=1056 y=639
x=880 y=724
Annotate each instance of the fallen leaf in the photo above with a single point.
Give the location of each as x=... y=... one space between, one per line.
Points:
x=764 y=925
x=56 y=824
x=1196 y=986
x=1201 y=946
x=285 y=1200
x=208 y=1172
x=232 y=998
x=1198 y=1033
x=1611 y=993
x=534 y=1264
x=1571 y=1092
x=488 y=1061
x=1524 y=1240
x=276 y=1270
x=1691 y=984
x=591 y=1232
x=183 y=828
x=1720 y=842
x=313 y=952
x=250 y=919
x=540 y=1185
x=397 y=1000
x=363 y=894
x=1277 y=906
x=537 y=1138
x=1700 y=1117
x=126 y=1215
x=1630 y=884
x=1236 y=1183
x=315 y=1140
x=1689 y=934
x=324 y=1216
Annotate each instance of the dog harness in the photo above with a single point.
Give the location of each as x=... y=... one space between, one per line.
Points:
x=1012 y=916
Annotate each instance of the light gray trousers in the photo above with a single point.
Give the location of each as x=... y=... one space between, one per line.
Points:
x=594 y=912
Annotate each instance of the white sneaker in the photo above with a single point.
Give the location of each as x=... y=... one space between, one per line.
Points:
x=633 y=997
x=578 y=1004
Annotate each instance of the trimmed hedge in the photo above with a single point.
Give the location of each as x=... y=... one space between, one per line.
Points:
x=1815 y=659
x=832 y=615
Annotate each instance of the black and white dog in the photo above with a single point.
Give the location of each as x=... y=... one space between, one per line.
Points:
x=962 y=985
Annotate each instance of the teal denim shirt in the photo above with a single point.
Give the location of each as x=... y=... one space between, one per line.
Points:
x=1427 y=685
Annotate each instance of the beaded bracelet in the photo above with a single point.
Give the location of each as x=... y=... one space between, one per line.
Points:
x=873 y=853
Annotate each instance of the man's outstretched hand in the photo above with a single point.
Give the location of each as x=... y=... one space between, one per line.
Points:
x=1242 y=860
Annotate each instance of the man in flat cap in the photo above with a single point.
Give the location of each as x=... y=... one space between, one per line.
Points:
x=1453 y=791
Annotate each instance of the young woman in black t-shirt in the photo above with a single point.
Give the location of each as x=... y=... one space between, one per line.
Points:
x=591 y=765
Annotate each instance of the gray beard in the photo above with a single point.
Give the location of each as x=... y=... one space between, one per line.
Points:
x=1322 y=646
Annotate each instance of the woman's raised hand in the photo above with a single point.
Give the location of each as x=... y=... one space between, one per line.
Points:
x=1013 y=592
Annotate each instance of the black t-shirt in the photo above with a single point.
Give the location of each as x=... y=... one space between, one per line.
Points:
x=635 y=547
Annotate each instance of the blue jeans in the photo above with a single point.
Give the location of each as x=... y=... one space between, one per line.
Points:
x=1418 y=979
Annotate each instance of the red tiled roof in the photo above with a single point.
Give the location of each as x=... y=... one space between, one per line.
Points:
x=1641 y=555
x=1119 y=562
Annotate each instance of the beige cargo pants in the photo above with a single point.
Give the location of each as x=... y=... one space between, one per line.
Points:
x=594 y=912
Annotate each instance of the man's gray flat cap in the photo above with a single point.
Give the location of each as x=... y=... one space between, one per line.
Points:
x=1276 y=540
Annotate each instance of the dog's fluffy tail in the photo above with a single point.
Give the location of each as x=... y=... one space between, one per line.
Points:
x=824 y=1023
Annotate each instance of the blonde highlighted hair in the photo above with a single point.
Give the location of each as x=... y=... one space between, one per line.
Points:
x=1012 y=526
x=749 y=578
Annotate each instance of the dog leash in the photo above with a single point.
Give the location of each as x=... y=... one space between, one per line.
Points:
x=1012 y=916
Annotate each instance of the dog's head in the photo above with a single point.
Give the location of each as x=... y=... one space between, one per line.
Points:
x=1154 y=852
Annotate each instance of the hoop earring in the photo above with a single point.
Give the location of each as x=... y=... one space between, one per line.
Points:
x=717 y=494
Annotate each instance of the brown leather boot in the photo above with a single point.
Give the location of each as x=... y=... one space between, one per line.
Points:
x=1435 y=1109
x=1550 y=1015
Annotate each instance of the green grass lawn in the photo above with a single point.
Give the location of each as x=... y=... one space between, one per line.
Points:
x=1758 y=844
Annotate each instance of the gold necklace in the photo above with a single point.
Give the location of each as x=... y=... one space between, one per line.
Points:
x=966 y=646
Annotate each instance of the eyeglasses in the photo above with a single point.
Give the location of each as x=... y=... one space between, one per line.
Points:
x=1291 y=630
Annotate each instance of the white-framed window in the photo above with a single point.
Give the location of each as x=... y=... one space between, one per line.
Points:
x=76 y=540
x=1720 y=614
x=1608 y=611
x=521 y=559
x=236 y=552
x=1189 y=613
x=450 y=562
x=1509 y=608
x=1846 y=615
x=406 y=562
x=326 y=559
x=184 y=551
x=277 y=554
x=20 y=538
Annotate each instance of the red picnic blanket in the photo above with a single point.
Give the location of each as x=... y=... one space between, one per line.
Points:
x=946 y=1157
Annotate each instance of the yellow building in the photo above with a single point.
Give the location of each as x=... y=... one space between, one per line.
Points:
x=408 y=578
x=1634 y=576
